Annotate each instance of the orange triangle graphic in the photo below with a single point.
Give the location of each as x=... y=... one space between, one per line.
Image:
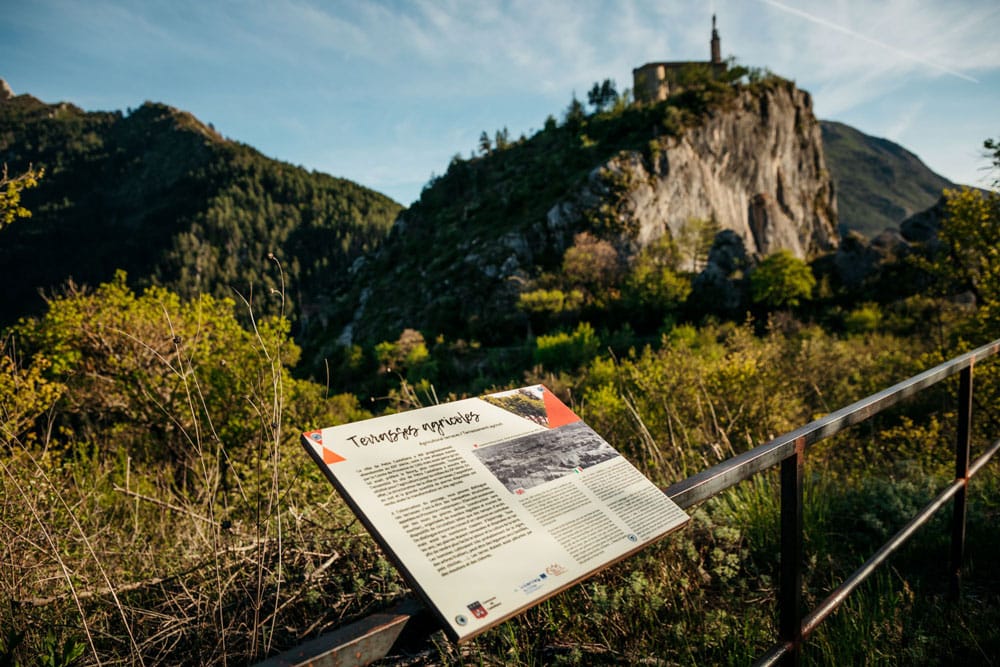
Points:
x=559 y=414
x=330 y=456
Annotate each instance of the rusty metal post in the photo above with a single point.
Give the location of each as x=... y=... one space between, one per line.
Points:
x=790 y=593
x=355 y=645
x=962 y=439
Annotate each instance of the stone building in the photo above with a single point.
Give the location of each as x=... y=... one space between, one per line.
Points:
x=653 y=81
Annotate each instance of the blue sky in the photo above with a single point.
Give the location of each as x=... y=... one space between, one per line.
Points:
x=385 y=93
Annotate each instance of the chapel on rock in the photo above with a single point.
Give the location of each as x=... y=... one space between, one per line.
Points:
x=652 y=81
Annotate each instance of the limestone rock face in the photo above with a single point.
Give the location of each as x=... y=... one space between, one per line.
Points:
x=6 y=92
x=757 y=169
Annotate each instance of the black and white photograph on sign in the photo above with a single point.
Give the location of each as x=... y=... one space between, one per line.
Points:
x=526 y=462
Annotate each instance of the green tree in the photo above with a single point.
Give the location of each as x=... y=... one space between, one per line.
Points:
x=10 y=194
x=695 y=239
x=782 y=280
x=502 y=139
x=969 y=259
x=549 y=302
x=992 y=147
x=567 y=351
x=602 y=95
x=408 y=356
x=592 y=264
x=485 y=146
x=575 y=114
x=653 y=286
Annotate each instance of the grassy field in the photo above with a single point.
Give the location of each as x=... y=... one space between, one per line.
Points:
x=146 y=520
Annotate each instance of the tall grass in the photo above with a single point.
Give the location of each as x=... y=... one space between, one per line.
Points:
x=220 y=555
x=234 y=546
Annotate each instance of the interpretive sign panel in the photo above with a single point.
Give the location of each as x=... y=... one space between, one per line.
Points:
x=490 y=505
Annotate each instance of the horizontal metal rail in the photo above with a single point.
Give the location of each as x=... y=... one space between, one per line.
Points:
x=812 y=620
x=703 y=485
x=370 y=639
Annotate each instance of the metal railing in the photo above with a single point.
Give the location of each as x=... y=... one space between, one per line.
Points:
x=372 y=638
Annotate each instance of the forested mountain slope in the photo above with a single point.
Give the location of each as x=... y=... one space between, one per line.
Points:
x=161 y=195
x=879 y=183
x=165 y=197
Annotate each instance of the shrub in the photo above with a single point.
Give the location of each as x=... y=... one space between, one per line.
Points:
x=565 y=351
x=25 y=395
x=408 y=356
x=160 y=377
x=781 y=280
x=865 y=319
x=164 y=512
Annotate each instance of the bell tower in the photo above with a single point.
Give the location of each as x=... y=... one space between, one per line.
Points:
x=716 y=49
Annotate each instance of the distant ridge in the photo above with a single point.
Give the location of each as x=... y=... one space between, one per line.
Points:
x=879 y=183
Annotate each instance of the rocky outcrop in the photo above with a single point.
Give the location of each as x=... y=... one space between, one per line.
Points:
x=723 y=284
x=923 y=227
x=6 y=92
x=756 y=168
x=746 y=161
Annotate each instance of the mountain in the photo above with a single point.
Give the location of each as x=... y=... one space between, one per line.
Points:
x=726 y=155
x=163 y=196
x=879 y=183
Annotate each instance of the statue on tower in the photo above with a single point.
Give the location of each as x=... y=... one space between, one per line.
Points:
x=716 y=49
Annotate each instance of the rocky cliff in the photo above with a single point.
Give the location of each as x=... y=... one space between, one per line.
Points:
x=747 y=156
x=756 y=168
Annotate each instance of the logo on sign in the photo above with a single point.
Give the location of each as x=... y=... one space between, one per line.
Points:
x=534 y=584
x=555 y=570
x=477 y=609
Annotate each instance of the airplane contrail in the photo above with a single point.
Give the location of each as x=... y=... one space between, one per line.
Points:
x=847 y=31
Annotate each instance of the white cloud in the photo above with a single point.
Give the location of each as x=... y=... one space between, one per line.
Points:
x=850 y=53
x=892 y=52
x=901 y=124
x=336 y=78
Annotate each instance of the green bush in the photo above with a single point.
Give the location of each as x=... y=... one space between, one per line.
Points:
x=158 y=376
x=152 y=477
x=781 y=281
x=864 y=319
x=567 y=351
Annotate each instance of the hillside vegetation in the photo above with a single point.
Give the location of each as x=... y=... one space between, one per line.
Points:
x=497 y=279
x=156 y=506
x=492 y=209
x=157 y=193
x=879 y=183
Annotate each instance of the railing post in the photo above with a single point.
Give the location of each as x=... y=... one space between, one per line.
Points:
x=962 y=438
x=790 y=593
